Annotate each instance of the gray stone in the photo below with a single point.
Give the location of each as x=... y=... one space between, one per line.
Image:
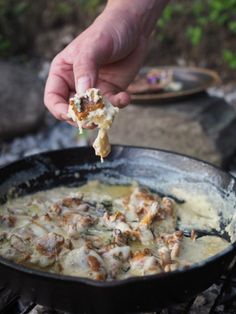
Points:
x=21 y=100
x=200 y=126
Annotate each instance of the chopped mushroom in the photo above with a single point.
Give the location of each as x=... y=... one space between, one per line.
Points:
x=193 y=235
x=74 y=224
x=13 y=254
x=14 y=248
x=151 y=214
x=165 y=256
x=71 y=202
x=78 y=232
x=84 y=262
x=170 y=267
x=18 y=243
x=145 y=235
x=50 y=244
x=115 y=258
x=175 y=251
x=7 y=221
x=113 y=220
x=168 y=205
x=143 y=263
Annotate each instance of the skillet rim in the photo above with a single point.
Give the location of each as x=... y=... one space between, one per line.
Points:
x=116 y=283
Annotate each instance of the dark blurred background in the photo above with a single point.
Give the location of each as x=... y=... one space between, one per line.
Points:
x=189 y=32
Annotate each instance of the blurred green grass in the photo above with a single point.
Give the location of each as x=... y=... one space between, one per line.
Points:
x=22 y=20
x=196 y=21
x=203 y=19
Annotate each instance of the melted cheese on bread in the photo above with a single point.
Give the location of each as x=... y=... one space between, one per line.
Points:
x=92 y=108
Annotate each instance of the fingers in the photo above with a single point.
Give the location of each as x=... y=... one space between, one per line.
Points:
x=59 y=85
x=72 y=123
x=78 y=72
x=116 y=96
x=85 y=73
x=55 y=97
x=91 y=50
x=120 y=100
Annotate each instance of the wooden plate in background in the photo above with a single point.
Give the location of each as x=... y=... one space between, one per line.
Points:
x=194 y=80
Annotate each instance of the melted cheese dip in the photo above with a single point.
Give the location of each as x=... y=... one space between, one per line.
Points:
x=102 y=232
x=91 y=108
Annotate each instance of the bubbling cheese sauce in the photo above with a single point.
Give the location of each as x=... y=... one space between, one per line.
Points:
x=99 y=231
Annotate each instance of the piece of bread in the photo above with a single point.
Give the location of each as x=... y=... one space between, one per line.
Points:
x=92 y=108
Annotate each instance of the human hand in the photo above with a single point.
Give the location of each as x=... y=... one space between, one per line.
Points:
x=107 y=55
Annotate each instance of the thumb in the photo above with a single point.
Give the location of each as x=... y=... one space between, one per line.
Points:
x=85 y=73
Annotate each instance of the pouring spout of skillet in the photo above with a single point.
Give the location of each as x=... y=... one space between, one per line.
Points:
x=164 y=172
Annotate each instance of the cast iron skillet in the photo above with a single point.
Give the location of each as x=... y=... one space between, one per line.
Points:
x=72 y=166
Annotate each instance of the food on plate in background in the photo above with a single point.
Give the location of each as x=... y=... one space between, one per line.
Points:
x=154 y=81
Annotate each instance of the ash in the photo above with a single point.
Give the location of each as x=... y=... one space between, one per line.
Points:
x=53 y=135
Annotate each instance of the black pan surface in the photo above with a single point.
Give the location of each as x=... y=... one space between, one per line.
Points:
x=147 y=166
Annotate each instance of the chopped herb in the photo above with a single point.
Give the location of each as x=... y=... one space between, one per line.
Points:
x=108 y=205
x=118 y=257
x=125 y=269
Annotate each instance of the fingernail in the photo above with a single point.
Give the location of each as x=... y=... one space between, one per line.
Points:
x=83 y=84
